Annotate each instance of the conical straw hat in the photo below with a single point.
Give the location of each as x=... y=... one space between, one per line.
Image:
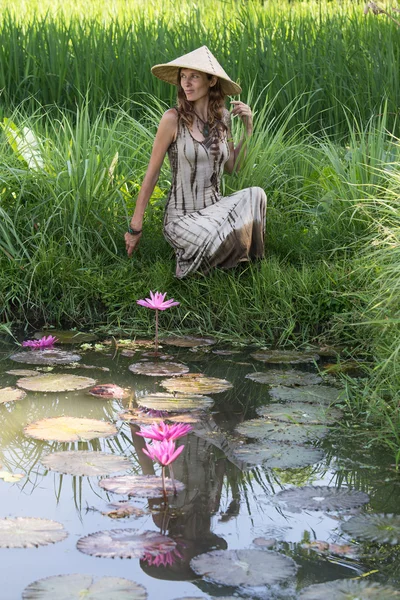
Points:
x=199 y=60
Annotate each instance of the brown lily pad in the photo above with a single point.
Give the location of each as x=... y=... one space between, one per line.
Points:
x=301 y=412
x=28 y=532
x=175 y=403
x=141 y=486
x=288 y=377
x=10 y=394
x=125 y=543
x=49 y=356
x=285 y=357
x=121 y=510
x=196 y=384
x=55 y=382
x=188 y=341
x=69 y=429
x=78 y=586
x=24 y=372
x=157 y=369
x=88 y=463
x=108 y=391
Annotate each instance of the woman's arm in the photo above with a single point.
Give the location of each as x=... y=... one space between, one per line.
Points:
x=166 y=134
x=244 y=112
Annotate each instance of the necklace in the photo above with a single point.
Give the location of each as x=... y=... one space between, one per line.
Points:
x=206 y=125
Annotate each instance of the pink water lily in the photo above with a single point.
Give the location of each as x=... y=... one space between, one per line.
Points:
x=44 y=342
x=157 y=302
x=163 y=431
x=163 y=452
x=165 y=560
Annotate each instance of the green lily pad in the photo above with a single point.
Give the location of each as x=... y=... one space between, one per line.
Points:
x=24 y=372
x=67 y=337
x=383 y=529
x=321 y=498
x=244 y=567
x=10 y=394
x=54 y=382
x=263 y=429
x=278 y=455
x=158 y=369
x=141 y=486
x=108 y=391
x=300 y=412
x=285 y=357
x=288 y=377
x=69 y=429
x=79 y=587
x=321 y=394
x=125 y=543
x=188 y=341
x=196 y=384
x=86 y=463
x=28 y=532
x=349 y=589
x=135 y=415
x=175 y=403
x=49 y=356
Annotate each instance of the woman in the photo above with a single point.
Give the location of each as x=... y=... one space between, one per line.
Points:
x=204 y=228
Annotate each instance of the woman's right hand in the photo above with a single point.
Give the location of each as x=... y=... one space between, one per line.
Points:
x=131 y=242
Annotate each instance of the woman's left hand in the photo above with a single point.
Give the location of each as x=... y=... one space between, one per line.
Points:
x=244 y=112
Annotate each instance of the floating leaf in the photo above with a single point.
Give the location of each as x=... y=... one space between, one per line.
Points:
x=383 y=529
x=157 y=369
x=321 y=498
x=55 y=382
x=348 y=589
x=289 y=377
x=125 y=543
x=175 y=403
x=140 y=417
x=67 y=337
x=11 y=477
x=10 y=394
x=108 y=391
x=346 y=550
x=321 y=394
x=49 y=356
x=285 y=357
x=300 y=412
x=78 y=586
x=225 y=352
x=69 y=429
x=272 y=430
x=120 y=510
x=141 y=486
x=197 y=384
x=28 y=532
x=80 y=462
x=188 y=341
x=244 y=567
x=24 y=372
x=278 y=455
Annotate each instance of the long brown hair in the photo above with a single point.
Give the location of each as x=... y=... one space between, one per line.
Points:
x=216 y=105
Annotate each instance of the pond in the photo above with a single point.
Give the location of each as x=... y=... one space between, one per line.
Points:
x=277 y=498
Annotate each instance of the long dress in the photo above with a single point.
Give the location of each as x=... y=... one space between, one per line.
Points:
x=205 y=228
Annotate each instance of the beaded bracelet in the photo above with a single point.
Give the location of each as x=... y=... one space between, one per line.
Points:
x=134 y=231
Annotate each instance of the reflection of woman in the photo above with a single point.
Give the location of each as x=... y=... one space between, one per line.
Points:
x=204 y=228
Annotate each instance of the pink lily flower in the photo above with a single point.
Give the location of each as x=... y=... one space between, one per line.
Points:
x=165 y=560
x=157 y=302
x=162 y=431
x=163 y=452
x=44 y=342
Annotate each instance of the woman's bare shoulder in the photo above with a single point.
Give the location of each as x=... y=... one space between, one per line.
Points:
x=170 y=116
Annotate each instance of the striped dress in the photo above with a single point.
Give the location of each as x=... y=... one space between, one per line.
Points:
x=205 y=228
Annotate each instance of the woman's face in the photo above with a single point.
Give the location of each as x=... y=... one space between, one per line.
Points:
x=195 y=84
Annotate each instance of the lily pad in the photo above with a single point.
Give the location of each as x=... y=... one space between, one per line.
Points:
x=277 y=455
x=321 y=498
x=383 y=529
x=108 y=391
x=157 y=369
x=226 y=352
x=188 y=341
x=55 y=382
x=10 y=394
x=348 y=589
x=125 y=543
x=49 y=356
x=78 y=586
x=69 y=429
x=175 y=403
x=244 y=567
x=272 y=430
x=321 y=394
x=135 y=415
x=300 y=412
x=121 y=510
x=285 y=357
x=141 y=486
x=24 y=372
x=28 y=532
x=67 y=337
x=80 y=462
x=197 y=384
x=11 y=477
x=289 y=377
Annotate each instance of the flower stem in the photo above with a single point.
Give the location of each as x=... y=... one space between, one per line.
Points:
x=171 y=474
x=156 y=340
x=163 y=484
